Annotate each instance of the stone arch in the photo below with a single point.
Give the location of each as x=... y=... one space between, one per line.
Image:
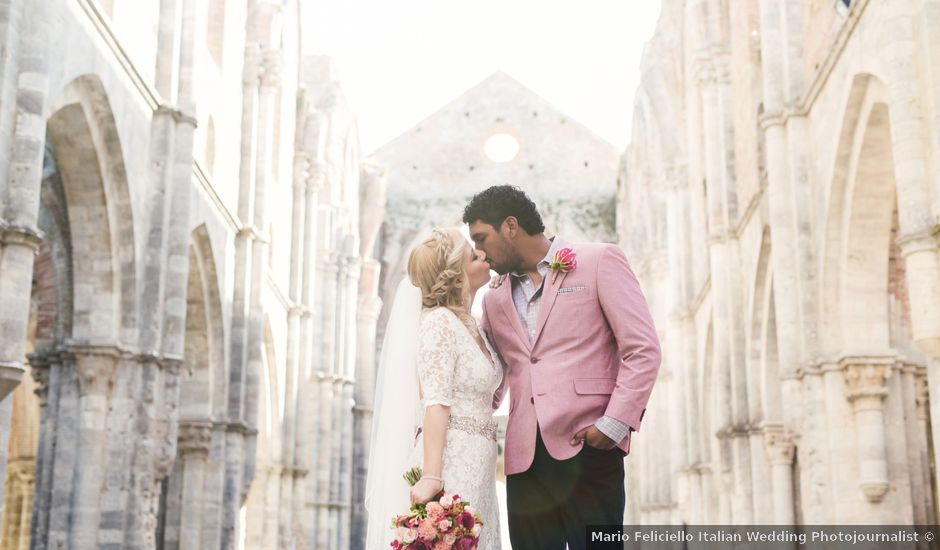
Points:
x=858 y=223
x=269 y=405
x=764 y=385
x=203 y=393
x=189 y=488
x=210 y=147
x=707 y=441
x=83 y=136
x=215 y=31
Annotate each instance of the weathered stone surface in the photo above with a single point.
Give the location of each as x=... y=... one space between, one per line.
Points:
x=774 y=203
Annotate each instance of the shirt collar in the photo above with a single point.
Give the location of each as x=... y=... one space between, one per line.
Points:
x=556 y=242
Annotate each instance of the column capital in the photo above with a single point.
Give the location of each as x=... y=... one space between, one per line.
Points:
x=866 y=382
x=96 y=365
x=252 y=69
x=927 y=239
x=195 y=437
x=779 y=446
x=18 y=235
x=270 y=69
x=40 y=364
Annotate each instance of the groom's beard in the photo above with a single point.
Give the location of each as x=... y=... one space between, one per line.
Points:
x=511 y=265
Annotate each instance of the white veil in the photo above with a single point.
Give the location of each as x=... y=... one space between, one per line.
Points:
x=394 y=418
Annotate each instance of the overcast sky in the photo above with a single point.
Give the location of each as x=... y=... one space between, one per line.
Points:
x=401 y=60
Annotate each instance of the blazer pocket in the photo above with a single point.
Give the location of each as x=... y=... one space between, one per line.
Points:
x=594 y=386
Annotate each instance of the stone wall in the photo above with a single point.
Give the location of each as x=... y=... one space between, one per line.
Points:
x=788 y=146
x=172 y=316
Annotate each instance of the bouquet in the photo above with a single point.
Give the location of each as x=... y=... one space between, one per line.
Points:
x=447 y=522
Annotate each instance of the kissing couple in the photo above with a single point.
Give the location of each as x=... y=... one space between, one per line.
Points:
x=565 y=328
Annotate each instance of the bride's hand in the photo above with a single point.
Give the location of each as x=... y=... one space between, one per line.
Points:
x=425 y=490
x=497 y=281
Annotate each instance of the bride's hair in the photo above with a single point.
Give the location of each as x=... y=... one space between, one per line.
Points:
x=436 y=266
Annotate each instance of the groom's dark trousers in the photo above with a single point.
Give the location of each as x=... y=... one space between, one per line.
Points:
x=554 y=501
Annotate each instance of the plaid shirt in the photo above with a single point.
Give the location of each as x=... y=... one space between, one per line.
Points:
x=527 y=298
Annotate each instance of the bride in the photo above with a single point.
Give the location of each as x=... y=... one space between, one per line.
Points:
x=434 y=394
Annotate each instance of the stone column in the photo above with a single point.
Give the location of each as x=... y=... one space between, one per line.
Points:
x=922 y=404
x=328 y=275
x=41 y=367
x=19 y=199
x=919 y=234
x=729 y=368
x=195 y=437
x=337 y=404
x=780 y=450
x=347 y=401
x=866 y=389
x=96 y=368
x=295 y=344
x=19 y=193
x=370 y=305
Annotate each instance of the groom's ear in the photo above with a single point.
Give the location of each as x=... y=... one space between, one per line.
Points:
x=511 y=227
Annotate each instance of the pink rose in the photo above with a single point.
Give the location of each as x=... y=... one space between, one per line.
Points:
x=441 y=545
x=443 y=525
x=409 y=536
x=450 y=539
x=447 y=501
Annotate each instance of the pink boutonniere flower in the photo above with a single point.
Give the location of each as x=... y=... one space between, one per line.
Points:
x=564 y=261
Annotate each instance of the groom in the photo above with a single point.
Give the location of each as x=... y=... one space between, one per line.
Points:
x=581 y=355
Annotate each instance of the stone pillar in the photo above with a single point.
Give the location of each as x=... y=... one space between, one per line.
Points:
x=919 y=234
x=370 y=306
x=231 y=493
x=866 y=390
x=96 y=368
x=19 y=199
x=922 y=404
x=19 y=193
x=195 y=437
x=330 y=271
x=780 y=450
x=41 y=367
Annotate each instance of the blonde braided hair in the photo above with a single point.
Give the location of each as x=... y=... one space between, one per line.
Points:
x=436 y=266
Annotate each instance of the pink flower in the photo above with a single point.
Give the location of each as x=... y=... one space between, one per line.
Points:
x=470 y=510
x=449 y=539
x=476 y=530
x=409 y=536
x=447 y=501
x=434 y=509
x=563 y=262
x=427 y=530
x=441 y=545
x=444 y=524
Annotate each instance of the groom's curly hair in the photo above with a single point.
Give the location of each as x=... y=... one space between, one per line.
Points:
x=495 y=204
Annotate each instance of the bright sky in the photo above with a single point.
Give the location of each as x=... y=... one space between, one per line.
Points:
x=400 y=61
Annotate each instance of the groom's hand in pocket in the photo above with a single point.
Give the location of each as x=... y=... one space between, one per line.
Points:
x=593 y=437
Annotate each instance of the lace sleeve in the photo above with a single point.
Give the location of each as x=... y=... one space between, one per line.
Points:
x=437 y=358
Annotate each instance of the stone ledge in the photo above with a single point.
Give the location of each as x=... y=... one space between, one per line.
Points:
x=11 y=374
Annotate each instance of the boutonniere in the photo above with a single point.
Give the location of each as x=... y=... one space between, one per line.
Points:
x=564 y=261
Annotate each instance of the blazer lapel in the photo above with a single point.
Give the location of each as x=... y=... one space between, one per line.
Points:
x=549 y=293
x=505 y=301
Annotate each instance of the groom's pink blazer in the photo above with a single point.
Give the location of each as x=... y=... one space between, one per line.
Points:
x=595 y=353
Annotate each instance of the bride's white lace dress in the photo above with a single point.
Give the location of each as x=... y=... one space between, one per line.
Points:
x=454 y=371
